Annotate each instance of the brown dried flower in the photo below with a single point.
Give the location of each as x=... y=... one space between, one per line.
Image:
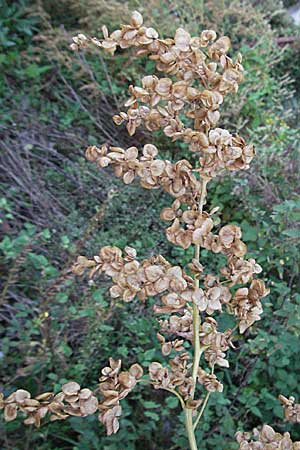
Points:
x=266 y=439
x=184 y=103
x=209 y=381
x=197 y=74
x=291 y=409
x=72 y=401
x=247 y=305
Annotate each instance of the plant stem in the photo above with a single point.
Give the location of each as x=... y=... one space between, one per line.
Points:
x=204 y=182
x=197 y=348
x=196 y=339
x=201 y=410
x=196 y=314
x=189 y=428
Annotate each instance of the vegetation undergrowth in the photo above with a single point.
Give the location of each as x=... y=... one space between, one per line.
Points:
x=55 y=206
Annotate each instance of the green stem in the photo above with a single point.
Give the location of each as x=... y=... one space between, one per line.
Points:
x=196 y=314
x=197 y=348
x=201 y=410
x=196 y=338
x=189 y=429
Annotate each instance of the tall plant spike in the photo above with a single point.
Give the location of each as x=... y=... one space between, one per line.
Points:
x=184 y=103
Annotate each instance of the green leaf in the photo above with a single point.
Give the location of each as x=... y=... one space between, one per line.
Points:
x=87 y=312
x=38 y=261
x=249 y=232
x=292 y=232
x=256 y=411
x=6 y=244
x=149 y=404
x=62 y=297
x=34 y=71
x=52 y=376
x=50 y=272
x=30 y=228
x=65 y=241
x=106 y=327
x=148 y=355
x=228 y=423
x=66 y=349
x=97 y=295
x=46 y=233
x=152 y=415
x=172 y=402
x=73 y=309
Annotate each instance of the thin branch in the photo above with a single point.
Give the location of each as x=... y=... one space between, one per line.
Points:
x=202 y=410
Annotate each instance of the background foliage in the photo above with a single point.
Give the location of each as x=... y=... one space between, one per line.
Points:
x=54 y=206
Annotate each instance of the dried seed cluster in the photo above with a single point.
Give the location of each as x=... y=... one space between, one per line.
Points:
x=184 y=105
x=266 y=439
x=176 y=179
x=291 y=409
x=71 y=401
x=177 y=376
x=74 y=401
x=188 y=59
x=114 y=386
x=157 y=277
x=202 y=75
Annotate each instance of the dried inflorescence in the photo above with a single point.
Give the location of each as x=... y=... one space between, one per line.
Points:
x=178 y=376
x=71 y=401
x=115 y=386
x=209 y=381
x=176 y=179
x=266 y=439
x=189 y=60
x=151 y=277
x=74 y=401
x=202 y=75
x=157 y=277
x=291 y=409
x=215 y=343
x=185 y=105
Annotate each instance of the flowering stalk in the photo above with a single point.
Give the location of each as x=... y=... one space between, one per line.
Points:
x=160 y=103
x=190 y=426
x=196 y=313
x=201 y=410
x=184 y=105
